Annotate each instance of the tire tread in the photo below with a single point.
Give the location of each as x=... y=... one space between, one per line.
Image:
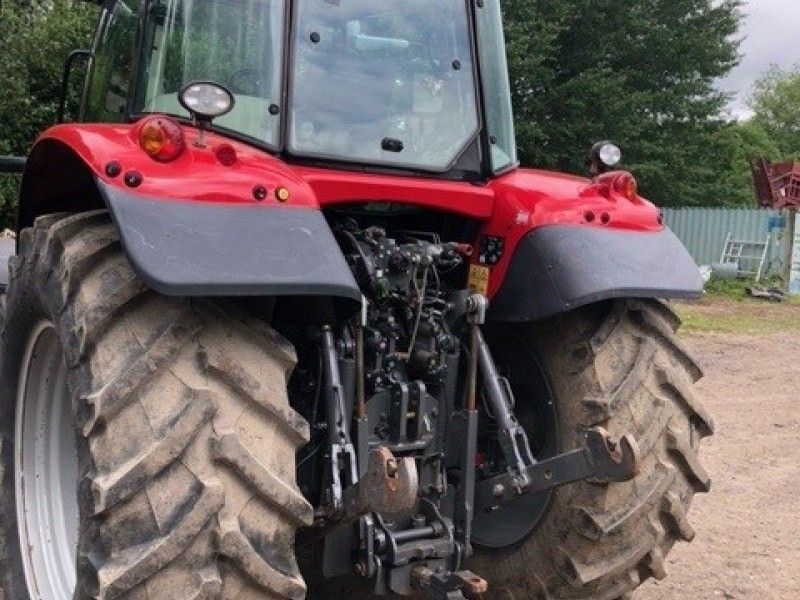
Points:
x=633 y=377
x=158 y=505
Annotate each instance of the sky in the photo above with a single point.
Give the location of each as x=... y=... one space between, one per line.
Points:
x=772 y=36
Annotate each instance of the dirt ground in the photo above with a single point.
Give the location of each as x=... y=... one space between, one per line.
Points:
x=748 y=527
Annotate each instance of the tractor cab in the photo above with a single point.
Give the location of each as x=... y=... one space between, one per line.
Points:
x=417 y=85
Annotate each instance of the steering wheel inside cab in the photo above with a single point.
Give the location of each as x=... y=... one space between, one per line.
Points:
x=248 y=82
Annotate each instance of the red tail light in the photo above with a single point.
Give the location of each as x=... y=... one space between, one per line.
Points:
x=615 y=183
x=161 y=138
x=625 y=184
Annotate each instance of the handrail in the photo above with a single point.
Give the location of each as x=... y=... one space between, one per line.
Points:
x=12 y=164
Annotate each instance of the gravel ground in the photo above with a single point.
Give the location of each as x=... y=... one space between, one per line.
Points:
x=748 y=527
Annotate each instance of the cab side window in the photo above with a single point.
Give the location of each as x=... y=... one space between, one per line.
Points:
x=112 y=68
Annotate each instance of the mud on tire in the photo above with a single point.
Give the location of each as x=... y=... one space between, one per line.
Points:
x=186 y=441
x=619 y=366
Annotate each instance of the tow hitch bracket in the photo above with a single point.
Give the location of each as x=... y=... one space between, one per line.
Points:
x=448 y=586
x=600 y=460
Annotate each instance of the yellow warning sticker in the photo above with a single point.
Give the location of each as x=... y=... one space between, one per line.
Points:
x=478 y=279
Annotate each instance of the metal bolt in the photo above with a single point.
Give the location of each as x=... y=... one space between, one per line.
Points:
x=259 y=193
x=133 y=179
x=113 y=169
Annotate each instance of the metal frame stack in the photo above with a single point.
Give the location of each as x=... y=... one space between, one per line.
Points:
x=748 y=257
x=777 y=184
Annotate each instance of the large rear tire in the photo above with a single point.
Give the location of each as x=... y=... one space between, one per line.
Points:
x=184 y=439
x=619 y=366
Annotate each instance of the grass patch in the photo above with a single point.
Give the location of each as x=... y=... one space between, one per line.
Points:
x=736 y=289
x=744 y=317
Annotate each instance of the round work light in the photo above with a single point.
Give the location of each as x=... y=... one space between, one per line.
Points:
x=205 y=100
x=609 y=154
x=603 y=157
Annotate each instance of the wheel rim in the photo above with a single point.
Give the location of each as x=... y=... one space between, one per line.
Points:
x=46 y=469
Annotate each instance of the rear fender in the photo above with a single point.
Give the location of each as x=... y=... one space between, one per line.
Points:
x=193 y=227
x=559 y=268
x=566 y=244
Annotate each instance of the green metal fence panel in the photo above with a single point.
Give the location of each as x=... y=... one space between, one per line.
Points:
x=704 y=230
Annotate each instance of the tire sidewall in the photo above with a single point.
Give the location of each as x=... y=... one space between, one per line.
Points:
x=24 y=309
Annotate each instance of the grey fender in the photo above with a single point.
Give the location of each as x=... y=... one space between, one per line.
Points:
x=555 y=269
x=217 y=249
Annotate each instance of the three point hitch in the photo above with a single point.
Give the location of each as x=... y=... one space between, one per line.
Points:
x=378 y=483
x=599 y=460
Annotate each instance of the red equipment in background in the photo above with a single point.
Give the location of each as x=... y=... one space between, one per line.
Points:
x=777 y=184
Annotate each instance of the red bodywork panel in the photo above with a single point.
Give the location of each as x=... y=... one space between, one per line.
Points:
x=509 y=206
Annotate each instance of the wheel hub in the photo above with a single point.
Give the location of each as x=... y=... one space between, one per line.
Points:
x=46 y=469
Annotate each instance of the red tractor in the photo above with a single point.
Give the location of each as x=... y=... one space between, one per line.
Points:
x=286 y=319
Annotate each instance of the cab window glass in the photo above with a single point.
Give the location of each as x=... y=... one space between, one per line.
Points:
x=113 y=63
x=382 y=83
x=235 y=43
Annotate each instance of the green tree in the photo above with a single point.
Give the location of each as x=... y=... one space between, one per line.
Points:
x=640 y=72
x=776 y=103
x=35 y=38
x=772 y=133
x=747 y=140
